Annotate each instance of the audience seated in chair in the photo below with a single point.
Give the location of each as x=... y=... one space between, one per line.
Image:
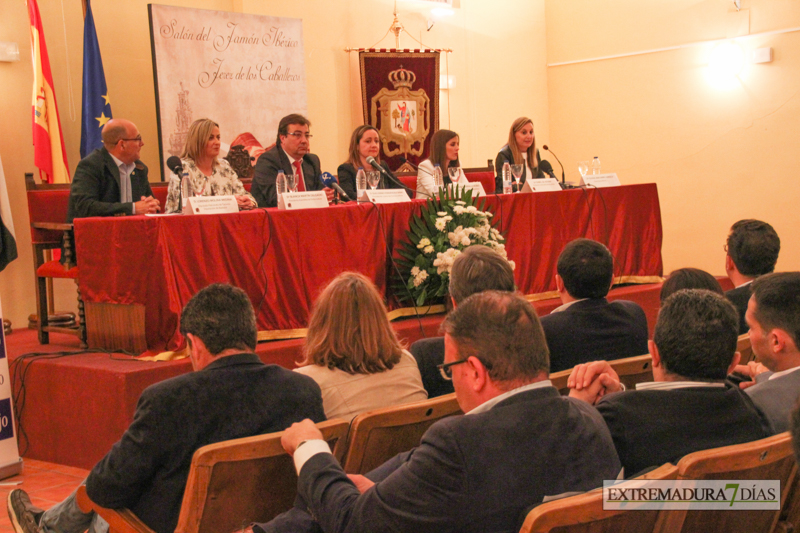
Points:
x=689 y=406
x=588 y=327
x=688 y=278
x=231 y=394
x=352 y=351
x=476 y=269
x=773 y=316
x=519 y=441
x=751 y=250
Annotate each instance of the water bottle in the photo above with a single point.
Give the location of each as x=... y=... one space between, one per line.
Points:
x=361 y=182
x=187 y=190
x=507 y=189
x=280 y=183
x=438 y=182
x=596 y=165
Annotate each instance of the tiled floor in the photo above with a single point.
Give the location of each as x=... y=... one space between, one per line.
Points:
x=46 y=483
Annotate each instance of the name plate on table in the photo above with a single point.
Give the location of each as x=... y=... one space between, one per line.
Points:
x=601 y=180
x=475 y=186
x=302 y=200
x=541 y=185
x=385 y=196
x=210 y=205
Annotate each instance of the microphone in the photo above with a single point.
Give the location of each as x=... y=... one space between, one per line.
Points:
x=547 y=168
x=330 y=181
x=372 y=161
x=404 y=160
x=563 y=180
x=175 y=165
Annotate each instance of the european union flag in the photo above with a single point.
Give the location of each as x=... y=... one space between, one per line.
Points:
x=96 y=106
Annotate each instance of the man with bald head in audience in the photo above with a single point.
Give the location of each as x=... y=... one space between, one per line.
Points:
x=751 y=250
x=112 y=180
x=689 y=406
x=518 y=442
x=773 y=316
x=476 y=269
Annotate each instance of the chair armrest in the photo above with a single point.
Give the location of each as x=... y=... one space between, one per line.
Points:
x=55 y=226
x=119 y=520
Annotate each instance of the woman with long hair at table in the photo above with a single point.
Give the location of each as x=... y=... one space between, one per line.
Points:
x=364 y=142
x=520 y=150
x=208 y=174
x=443 y=152
x=353 y=353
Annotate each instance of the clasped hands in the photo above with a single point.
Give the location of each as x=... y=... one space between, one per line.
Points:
x=591 y=381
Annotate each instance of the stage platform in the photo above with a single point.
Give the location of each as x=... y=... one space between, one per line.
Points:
x=72 y=408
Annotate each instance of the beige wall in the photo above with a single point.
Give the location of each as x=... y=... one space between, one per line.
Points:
x=495 y=83
x=717 y=155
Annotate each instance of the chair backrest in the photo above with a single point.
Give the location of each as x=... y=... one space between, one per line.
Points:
x=46 y=203
x=584 y=513
x=379 y=435
x=769 y=458
x=236 y=482
x=483 y=174
x=631 y=370
x=745 y=349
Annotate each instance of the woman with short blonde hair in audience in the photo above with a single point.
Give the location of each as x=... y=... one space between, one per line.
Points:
x=353 y=353
x=209 y=175
x=520 y=150
x=443 y=152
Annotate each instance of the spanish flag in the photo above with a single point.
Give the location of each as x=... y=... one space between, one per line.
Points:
x=48 y=143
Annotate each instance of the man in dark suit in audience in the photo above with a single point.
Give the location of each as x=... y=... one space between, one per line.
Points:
x=773 y=316
x=291 y=155
x=476 y=269
x=231 y=394
x=588 y=327
x=751 y=250
x=112 y=180
x=689 y=406
x=518 y=442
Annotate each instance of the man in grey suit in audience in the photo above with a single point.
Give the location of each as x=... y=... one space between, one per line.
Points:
x=476 y=269
x=518 y=442
x=773 y=315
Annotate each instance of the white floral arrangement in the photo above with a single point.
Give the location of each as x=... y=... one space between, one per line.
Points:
x=446 y=226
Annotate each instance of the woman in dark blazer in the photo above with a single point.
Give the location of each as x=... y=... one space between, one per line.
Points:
x=364 y=142
x=521 y=149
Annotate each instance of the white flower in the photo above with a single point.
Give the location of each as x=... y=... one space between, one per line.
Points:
x=513 y=264
x=423 y=242
x=472 y=209
x=459 y=210
x=428 y=249
x=488 y=214
x=420 y=277
x=415 y=271
x=461 y=202
x=440 y=224
x=441 y=213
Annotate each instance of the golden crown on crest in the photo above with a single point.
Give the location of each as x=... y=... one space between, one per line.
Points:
x=402 y=78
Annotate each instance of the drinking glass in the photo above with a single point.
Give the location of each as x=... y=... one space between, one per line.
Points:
x=583 y=167
x=373 y=178
x=516 y=171
x=454 y=172
x=291 y=182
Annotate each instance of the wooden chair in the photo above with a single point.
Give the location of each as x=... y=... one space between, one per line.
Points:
x=47 y=209
x=769 y=458
x=231 y=484
x=584 y=513
x=631 y=370
x=745 y=349
x=240 y=161
x=379 y=435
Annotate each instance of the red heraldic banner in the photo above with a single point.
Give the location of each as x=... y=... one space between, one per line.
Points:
x=400 y=97
x=48 y=142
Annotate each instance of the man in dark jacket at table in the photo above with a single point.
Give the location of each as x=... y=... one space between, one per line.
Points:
x=231 y=394
x=112 y=180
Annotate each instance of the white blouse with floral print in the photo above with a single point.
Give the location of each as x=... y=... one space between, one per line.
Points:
x=222 y=182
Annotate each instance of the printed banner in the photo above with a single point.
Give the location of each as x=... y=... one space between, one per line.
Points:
x=243 y=71
x=400 y=97
x=10 y=462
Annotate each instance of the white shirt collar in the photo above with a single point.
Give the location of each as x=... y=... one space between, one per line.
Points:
x=672 y=385
x=291 y=159
x=485 y=406
x=566 y=305
x=124 y=167
x=783 y=372
x=745 y=283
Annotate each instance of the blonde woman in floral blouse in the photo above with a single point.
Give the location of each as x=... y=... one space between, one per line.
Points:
x=210 y=175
